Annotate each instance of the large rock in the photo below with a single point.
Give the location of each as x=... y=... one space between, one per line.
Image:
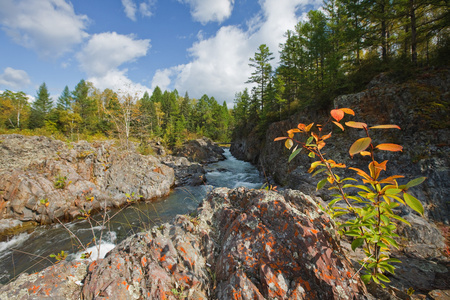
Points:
x=201 y=150
x=242 y=244
x=72 y=178
x=186 y=172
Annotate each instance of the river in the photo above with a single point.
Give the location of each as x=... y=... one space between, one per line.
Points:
x=29 y=252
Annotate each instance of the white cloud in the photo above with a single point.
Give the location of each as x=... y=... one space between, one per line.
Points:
x=105 y=53
x=49 y=27
x=219 y=65
x=118 y=81
x=162 y=78
x=16 y=79
x=144 y=8
x=205 y=11
x=130 y=9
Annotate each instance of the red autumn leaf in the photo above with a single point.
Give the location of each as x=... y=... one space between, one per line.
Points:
x=360 y=145
x=358 y=125
x=387 y=126
x=389 y=147
x=337 y=114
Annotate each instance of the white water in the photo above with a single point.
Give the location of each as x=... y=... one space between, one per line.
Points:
x=29 y=252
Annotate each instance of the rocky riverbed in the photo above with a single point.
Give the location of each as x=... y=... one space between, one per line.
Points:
x=43 y=180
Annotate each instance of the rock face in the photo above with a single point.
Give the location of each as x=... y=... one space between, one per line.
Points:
x=419 y=106
x=72 y=178
x=186 y=172
x=201 y=150
x=241 y=244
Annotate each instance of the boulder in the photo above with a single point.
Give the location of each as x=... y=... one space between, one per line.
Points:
x=186 y=172
x=201 y=150
x=240 y=244
x=61 y=281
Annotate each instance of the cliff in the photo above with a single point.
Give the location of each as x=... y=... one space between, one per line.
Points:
x=419 y=105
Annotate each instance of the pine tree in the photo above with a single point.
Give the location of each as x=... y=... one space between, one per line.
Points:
x=262 y=74
x=65 y=100
x=41 y=107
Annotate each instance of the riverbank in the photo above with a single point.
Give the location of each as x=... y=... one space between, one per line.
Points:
x=17 y=255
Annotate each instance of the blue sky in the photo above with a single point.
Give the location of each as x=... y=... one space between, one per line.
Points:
x=199 y=46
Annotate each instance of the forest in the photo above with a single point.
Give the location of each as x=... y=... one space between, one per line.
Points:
x=87 y=113
x=337 y=50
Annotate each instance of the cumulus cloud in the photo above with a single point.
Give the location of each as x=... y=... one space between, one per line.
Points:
x=205 y=11
x=163 y=78
x=144 y=8
x=105 y=53
x=50 y=27
x=16 y=79
x=219 y=65
x=118 y=81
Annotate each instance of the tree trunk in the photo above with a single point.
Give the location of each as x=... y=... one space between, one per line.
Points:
x=412 y=14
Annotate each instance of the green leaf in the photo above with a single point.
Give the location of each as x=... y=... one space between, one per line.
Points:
x=360 y=145
x=321 y=183
x=391 y=241
x=392 y=191
x=393 y=260
x=332 y=202
x=366 y=278
x=385 y=219
x=357 y=243
x=387 y=267
x=311 y=154
x=317 y=172
x=413 y=203
x=294 y=154
x=363 y=187
x=309 y=140
x=348 y=179
x=415 y=182
x=383 y=277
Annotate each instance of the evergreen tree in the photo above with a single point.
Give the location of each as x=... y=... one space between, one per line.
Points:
x=65 y=100
x=41 y=107
x=261 y=74
x=85 y=106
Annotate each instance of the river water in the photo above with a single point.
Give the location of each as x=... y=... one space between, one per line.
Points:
x=29 y=252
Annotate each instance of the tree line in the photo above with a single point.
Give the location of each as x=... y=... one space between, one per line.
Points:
x=87 y=111
x=338 y=50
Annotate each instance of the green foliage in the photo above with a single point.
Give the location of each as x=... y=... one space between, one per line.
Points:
x=41 y=107
x=60 y=256
x=370 y=212
x=60 y=182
